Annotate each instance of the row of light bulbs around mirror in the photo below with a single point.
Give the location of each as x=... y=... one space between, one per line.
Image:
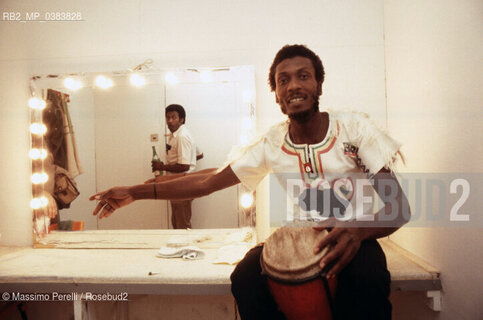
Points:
x=40 y=129
x=37 y=178
x=138 y=80
x=135 y=79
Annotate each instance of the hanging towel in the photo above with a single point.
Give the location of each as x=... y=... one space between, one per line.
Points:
x=60 y=134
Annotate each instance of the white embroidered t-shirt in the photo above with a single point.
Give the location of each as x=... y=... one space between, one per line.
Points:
x=353 y=150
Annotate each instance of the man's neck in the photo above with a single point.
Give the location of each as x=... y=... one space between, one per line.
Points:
x=175 y=133
x=311 y=131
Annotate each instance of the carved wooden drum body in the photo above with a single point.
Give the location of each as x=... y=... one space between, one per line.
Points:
x=294 y=276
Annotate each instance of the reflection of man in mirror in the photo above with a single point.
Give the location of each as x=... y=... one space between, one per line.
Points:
x=310 y=143
x=181 y=158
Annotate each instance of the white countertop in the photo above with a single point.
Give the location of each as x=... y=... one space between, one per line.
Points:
x=128 y=269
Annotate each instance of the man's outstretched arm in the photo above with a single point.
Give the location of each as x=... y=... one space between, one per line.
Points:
x=188 y=187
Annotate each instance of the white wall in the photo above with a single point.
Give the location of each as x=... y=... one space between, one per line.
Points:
x=434 y=79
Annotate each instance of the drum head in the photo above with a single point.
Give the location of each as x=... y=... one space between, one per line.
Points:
x=288 y=254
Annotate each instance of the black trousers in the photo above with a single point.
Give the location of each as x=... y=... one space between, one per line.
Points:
x=362 y=293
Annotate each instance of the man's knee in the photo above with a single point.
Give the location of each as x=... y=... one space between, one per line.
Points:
x=368 y=269
x=248 y=271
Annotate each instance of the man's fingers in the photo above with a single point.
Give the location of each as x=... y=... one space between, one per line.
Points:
x=97 y=209
x=343 y=260
x=105 y=208
x=106 y=212
x=100 y=195
x=328 y=239
x=332 y=254
x=95 y=196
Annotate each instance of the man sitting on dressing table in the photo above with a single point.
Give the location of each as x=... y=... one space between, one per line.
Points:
x=343 y=143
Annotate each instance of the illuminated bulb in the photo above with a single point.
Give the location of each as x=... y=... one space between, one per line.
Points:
x=36 y=103
x=247 y=96
x=246 y=200
x=38 y=128
x=72 y=84
x=38 y=154
x=103 y=82
x=247 y=124
x=39 y=178
x=205 y=76
x=43 y=201
x=171 y=78
x=137 y=80
x=36 y=203
x=243 y=138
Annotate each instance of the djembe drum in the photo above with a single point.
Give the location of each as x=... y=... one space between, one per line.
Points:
x=294 y=276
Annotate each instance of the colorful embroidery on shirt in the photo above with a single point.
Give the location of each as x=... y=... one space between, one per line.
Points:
x=310 y=156
x=353 y=152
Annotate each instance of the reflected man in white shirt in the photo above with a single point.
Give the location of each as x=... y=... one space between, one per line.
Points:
x=181 y=158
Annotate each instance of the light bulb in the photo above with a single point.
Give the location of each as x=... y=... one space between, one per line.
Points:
x=246 y=200
x=171 y=78
x=137 y=80
x=247 y=96
x=205 y=76
x=38 y=153
x=36 y=203
x=36 y=103
x=243 y=138
x=43 y=202
x=72 y=84
x=38 y=128
x=103 y=82
x=37 y=178
x=246 y=124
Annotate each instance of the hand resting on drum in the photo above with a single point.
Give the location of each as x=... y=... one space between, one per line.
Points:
x=345 y=238
x=343 y=243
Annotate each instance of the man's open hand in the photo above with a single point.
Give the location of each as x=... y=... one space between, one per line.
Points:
x=111 y=200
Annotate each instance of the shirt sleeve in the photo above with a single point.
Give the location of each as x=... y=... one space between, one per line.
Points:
x=251 y=168
x=185 y=149
x=376 y=149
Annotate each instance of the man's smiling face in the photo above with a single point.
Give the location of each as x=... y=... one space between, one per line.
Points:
x=297 y=90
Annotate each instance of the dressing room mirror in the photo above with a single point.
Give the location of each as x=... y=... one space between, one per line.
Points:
x=115 y=121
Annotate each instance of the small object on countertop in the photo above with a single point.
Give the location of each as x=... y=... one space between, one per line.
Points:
x=152 y=273
x=185 y=241
x=187 y=253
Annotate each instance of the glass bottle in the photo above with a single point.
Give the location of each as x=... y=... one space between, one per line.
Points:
x=156 y=159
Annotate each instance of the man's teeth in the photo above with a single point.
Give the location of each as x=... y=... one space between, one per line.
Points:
x=296 y=100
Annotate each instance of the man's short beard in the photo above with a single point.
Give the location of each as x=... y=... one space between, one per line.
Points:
x=304 y=116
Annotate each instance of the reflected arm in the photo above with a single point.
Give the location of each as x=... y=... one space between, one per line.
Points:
x=188 y=187
x=165 y=178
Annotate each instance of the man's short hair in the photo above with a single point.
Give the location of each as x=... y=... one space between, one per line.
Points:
x=292 y=51
x=179 y=109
